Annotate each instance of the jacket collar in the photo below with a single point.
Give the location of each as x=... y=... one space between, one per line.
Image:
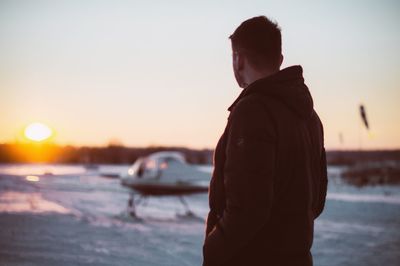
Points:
x=286 y=73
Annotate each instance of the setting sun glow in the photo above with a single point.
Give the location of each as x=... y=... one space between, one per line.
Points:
x=38 y=132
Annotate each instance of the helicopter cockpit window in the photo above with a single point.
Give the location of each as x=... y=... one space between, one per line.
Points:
x=164 y=164
x=148 y=168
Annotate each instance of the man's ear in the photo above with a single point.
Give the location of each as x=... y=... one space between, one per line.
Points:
x=240 y=61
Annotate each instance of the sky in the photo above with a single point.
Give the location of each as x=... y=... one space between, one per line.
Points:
x=160 y=73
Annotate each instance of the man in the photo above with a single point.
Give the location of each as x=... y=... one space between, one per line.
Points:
x=269 y=181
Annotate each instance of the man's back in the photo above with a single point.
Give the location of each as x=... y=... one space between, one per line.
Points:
x=269 y=181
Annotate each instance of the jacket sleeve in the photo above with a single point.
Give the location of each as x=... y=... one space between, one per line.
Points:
x=210 y=222
x=323 y=178
x=249 y=172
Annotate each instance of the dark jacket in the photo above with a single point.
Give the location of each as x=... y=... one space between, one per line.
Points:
x=269 y=180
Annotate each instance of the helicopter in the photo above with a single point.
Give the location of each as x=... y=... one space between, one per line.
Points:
x=163 y=173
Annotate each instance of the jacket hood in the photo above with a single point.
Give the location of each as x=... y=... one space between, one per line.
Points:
x=287 y=86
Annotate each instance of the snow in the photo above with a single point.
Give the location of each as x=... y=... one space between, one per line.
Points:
x=78 y=218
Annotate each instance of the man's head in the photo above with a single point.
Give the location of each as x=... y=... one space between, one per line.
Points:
x=256 y=50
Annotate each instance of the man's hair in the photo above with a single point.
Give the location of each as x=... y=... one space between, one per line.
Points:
x=260 y=39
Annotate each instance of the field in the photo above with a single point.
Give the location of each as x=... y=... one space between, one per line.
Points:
x=75 y=217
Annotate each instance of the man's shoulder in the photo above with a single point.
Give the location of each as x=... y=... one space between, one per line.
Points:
x=248 y=105
x=255 y=107
x=250 y=114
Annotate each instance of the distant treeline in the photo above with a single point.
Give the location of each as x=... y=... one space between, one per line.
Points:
x=112 y=154
x=118 y=154
x=362 y=157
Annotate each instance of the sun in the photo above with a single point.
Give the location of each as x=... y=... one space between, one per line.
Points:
x=38 y=132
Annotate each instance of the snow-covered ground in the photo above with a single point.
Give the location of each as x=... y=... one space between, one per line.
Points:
x=76 y=217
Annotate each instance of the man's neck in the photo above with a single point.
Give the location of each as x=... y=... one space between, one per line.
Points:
x=254 y=75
